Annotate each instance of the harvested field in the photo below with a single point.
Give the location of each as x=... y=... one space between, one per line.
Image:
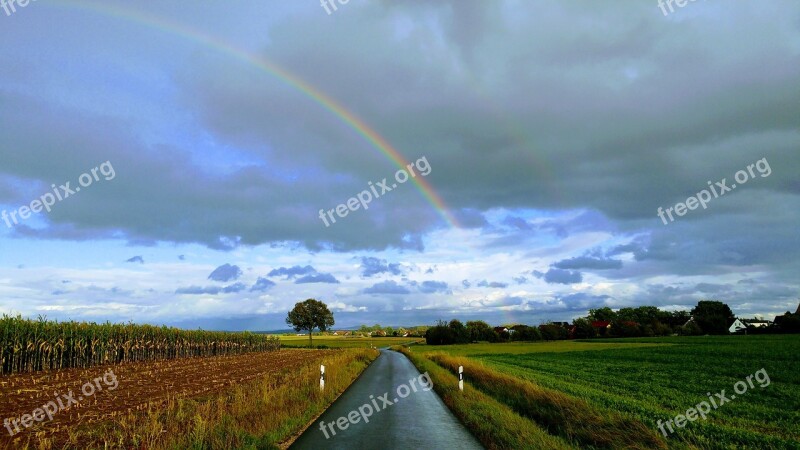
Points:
x=141 y=386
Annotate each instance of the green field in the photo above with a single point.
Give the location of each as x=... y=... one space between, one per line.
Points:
x=516 y=348
x=649 y=379
x=345 y=341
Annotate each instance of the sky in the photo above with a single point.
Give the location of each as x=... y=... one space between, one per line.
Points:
x=524 y=160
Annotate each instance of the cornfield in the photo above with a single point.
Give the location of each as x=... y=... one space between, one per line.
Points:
x=33 y=345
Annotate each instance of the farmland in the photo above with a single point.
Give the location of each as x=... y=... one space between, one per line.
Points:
x=160 y=387
x=635 y=382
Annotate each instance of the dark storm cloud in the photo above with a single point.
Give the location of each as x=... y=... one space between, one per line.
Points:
x=261 y=285
x=470 y=218
x=709 y=288
x=317 y=278
x=623 y=163
x=558 y=276
x=234 y=288
x=432 y=287
x=136 y=259
x=517 y=222
x=591 y=261
x=225 y=272
x=197 y=290
x=212 y=290
x=371 y=266
x=292 y=272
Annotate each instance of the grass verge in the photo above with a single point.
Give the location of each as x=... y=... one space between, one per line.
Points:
x=494 y=424
x=571 y=418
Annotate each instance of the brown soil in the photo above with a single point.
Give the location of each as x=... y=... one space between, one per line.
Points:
x=141 y=385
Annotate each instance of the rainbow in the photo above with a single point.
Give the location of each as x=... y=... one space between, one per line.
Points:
x=350 y=119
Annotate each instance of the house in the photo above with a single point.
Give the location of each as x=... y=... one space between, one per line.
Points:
x=756 y=323
x=500 y=330
x=736 y=326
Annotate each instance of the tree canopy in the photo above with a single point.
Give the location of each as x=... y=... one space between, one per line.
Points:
x=713 y=317
x=308 y=315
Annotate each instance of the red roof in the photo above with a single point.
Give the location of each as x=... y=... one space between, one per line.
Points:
x=601 y=323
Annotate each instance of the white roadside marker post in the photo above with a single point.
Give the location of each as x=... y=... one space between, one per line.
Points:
x=461 y=378
x=321 y=377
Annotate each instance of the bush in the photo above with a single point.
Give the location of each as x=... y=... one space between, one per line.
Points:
x=526 y=333
x=479 y=330
x=690 y=329
x=447 y=334
x=553 y=332
x=584 y=329
x=626 y=329
x=659 y=329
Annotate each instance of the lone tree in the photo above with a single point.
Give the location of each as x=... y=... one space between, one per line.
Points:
x=308 y=315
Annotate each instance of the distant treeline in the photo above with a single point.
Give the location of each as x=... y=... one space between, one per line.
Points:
x=29 y=345
x=708 y=317
x=455 y=332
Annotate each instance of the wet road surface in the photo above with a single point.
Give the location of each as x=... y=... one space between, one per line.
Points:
x=419 y=421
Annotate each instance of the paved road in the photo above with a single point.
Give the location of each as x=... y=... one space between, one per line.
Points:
x=419 y=421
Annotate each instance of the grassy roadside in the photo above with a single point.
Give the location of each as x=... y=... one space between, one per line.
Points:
x=569 y=417
x=259 y=415
x=659 y=383
x=494 y=424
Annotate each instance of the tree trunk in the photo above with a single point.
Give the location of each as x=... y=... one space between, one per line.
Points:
x=310 y=341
